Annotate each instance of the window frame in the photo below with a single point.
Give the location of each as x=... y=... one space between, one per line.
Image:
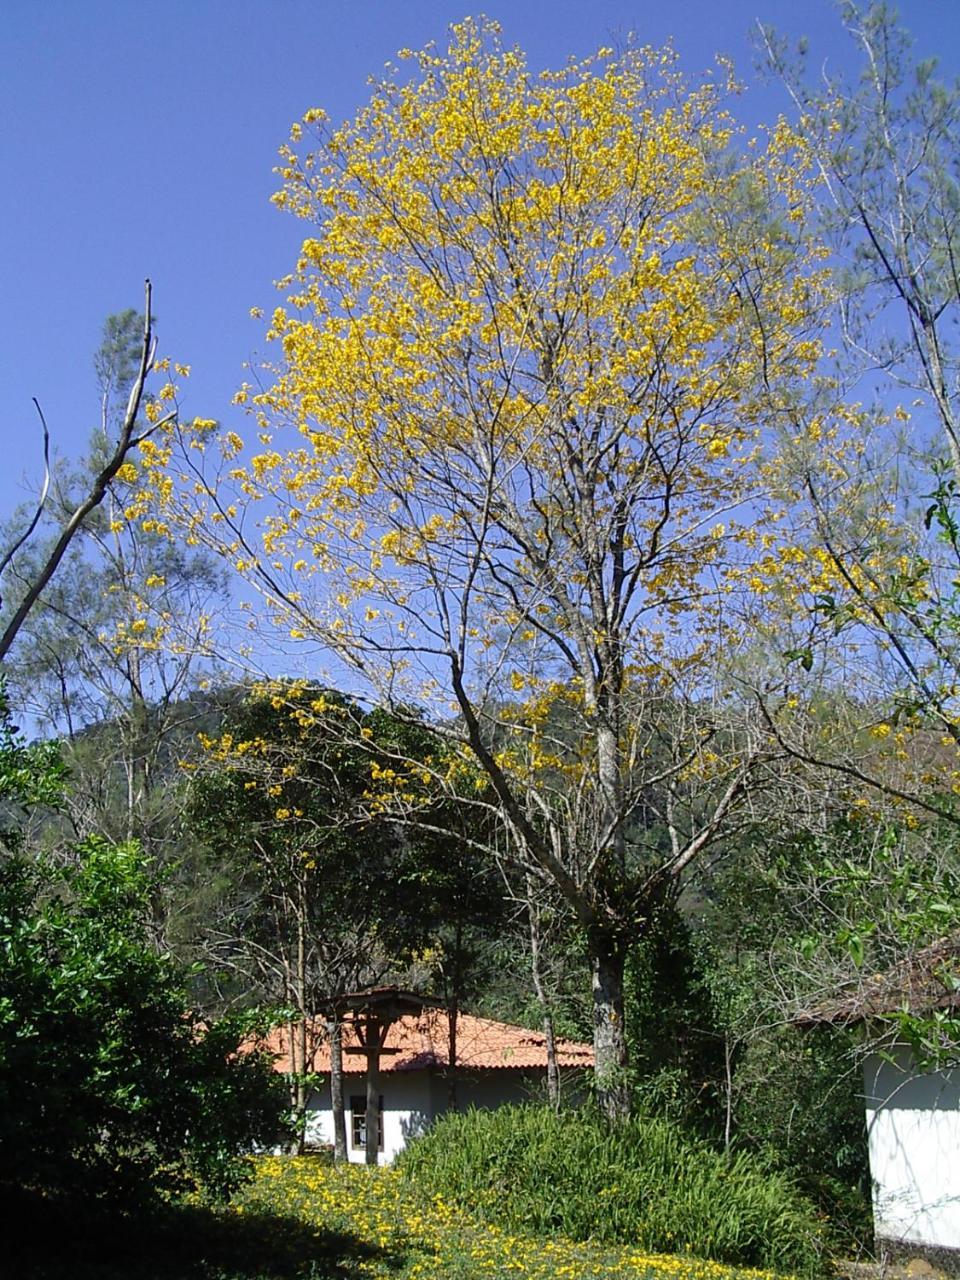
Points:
x=358 y=1116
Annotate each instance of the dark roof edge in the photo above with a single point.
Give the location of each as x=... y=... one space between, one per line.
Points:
x=923 y=981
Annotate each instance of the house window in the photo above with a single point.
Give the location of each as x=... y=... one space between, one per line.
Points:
x=358 y=1123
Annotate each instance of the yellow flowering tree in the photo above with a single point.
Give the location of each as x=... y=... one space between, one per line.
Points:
x=532 y=352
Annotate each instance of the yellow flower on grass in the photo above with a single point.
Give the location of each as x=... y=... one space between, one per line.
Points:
x=417 y=1237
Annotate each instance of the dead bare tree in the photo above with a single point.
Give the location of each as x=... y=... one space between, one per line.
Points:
x=131 y=434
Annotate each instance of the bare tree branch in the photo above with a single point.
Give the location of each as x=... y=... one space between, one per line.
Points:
x=98 y=491
x=42 y=502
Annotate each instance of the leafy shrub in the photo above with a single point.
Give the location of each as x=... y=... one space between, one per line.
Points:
x=642 y=1182
x=109 y=1086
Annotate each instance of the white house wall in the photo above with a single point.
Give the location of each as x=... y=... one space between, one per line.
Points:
x=411 y=1099
x=407 y=1111
x=488 y=1089
x=913 y=1127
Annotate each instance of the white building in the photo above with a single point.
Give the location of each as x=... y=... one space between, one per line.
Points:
x=912 y=1111
x=913 y=1127
x=496 y=1063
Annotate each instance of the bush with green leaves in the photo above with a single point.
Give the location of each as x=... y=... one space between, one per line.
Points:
x=109 y=1084
x=641 y=1181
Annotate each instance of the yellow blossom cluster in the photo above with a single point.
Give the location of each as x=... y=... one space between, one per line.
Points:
x=528 y=307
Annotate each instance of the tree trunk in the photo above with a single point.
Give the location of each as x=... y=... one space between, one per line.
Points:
x=608 y=959
x=301 y=1111
x=728 y=1087
x=453 y=1015
x=295 y=1084
x=336 y=1092
x=536 y=974
x=553 y=1069
x=608 y=953
x=301 y=1088
x=288 y=987
x=453 y=1012
x=372 y=1119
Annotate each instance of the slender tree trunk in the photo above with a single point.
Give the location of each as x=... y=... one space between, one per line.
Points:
x=301 y=979
x=728 y=1085
x=453 y=1017
x=295 y=1073
x=336 y=1091
x=536 y=973
x=553 y=1069
x=372 y=1120
x=289 y=997
x=608 y=961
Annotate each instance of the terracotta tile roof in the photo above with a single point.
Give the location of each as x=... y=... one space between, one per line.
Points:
x=926 y=980
x=421 y=1041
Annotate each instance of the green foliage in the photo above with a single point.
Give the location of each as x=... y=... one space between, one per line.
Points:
x=675 y=1033
x=109 y=1085
x=117 y=359
x=49 y=1238
x=883 y=885
x=884 y=892
x=641 y=1181
x=29 y=776
x=799 y=1101
x=287 y=801
x=708 y=1057
x=278 y=806
x=299 y=1220
x=795 y=1099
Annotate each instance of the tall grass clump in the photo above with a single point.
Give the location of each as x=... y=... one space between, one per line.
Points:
x=642 y=1182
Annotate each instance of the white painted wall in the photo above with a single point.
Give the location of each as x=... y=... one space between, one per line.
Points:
x=411 y=1099
x=913 y=1128
x=407 y=1110
x=489 y=1089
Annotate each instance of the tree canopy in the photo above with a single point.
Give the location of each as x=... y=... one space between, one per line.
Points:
x=534 y=353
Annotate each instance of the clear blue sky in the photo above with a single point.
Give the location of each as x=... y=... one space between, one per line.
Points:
x=139 y=140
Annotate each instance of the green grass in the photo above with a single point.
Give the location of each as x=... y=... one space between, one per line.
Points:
x=303 y=1220
x=643 y=1182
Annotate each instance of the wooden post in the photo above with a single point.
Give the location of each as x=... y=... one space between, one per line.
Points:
x=370 y=1015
